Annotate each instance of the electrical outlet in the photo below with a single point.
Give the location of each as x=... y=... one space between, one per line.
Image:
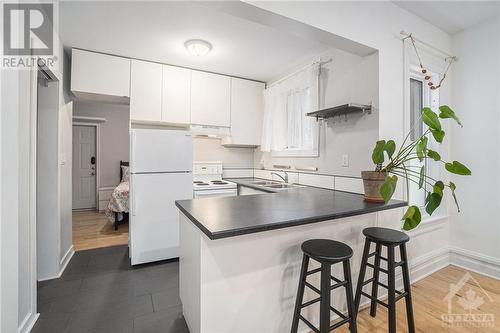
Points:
x=345 y=160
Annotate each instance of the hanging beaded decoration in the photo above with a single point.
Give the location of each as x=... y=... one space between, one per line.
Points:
x=448 y=60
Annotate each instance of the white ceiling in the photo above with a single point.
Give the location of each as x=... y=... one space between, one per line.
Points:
x=452 y=16
x=157 y=31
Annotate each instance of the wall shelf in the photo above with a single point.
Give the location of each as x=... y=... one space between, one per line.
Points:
x=340 y=110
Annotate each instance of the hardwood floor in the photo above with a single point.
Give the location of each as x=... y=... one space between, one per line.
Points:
x=429 y=305
x=92 y=230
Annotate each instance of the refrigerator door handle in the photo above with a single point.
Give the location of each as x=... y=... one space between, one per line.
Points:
x=132 y=151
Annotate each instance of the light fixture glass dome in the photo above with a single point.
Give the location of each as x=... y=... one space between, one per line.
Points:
x=198 y=47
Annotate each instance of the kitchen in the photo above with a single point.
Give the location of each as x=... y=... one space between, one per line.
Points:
x=248 y=132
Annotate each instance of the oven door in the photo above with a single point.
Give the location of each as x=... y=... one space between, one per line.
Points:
x=230 y=192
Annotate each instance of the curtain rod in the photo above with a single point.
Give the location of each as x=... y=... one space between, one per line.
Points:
x=300 y=70
x=407 y=35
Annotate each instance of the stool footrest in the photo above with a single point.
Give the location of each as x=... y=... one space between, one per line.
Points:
x=311 y=326
x=314 y=271
x=338 y=313
x=311 y=302
x=340 y=323
x=312 y=287
x=368 y=281
x=387 y=287
x=374 y=299
x=383 y=270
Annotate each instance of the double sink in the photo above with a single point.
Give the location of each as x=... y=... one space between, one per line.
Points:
x=275 y=185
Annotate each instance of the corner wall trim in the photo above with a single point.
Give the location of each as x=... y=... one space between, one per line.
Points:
x=476 y=262
x=28 y=323
x=62 y=264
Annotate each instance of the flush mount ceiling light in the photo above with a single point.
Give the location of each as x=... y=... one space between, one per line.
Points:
x=198 y=47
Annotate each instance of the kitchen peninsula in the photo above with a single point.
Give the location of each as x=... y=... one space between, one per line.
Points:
x=241 y=253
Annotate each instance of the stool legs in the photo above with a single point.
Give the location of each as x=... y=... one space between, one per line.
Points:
x=407 y=286
x=300 y=293
x=350 y=301
x=324 y=315
x=393 y=294
x=361 y=277
x=376 y=275
x=391 y=283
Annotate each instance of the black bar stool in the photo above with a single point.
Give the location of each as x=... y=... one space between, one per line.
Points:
x=326 y=252
x=391 y=239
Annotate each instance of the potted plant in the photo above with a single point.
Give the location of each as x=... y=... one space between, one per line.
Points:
x=380 y=184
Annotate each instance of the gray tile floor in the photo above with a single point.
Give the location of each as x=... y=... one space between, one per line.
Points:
x=100 y=292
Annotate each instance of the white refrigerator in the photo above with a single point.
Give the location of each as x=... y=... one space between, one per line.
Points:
x=161 y=163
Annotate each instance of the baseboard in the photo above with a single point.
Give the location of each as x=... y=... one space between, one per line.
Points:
x=28 y=323
x=63 y=263
x=475 y=262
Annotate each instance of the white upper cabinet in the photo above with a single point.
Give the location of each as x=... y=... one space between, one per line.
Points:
x=247 y=105
x=210 y=99
x=176 y=98
x=100 y=76
x=146 y=91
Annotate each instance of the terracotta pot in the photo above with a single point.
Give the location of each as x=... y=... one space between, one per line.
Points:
x=372 y=181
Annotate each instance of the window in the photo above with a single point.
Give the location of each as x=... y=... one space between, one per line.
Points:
x=420 y=96
x=287 y=131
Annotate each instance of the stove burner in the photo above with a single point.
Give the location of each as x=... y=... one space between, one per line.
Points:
x=201 y=184
x=198 y=182
x=218 y=182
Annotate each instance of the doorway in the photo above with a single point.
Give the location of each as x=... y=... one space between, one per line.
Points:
x=84 y=167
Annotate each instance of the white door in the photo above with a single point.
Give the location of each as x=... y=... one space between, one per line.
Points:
x=84 y=167
x=160 y=150
x=210 y=99
x=154 y=218
x=145 y=91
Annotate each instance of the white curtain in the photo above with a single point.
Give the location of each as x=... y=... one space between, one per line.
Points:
x=286 y=103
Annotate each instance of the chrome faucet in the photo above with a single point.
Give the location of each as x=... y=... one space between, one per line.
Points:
x=285 y=179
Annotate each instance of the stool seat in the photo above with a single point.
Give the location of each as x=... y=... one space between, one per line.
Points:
x=327 y=250
x=385 y=235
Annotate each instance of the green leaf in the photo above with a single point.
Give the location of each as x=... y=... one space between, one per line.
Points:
x=438 y=135
x=434 y=155
x=438 y=188
x=390 y=148
x=433 y=201
x=422 y=177
x=453 y=187
x=411 y=218
x=421 y=147
x=378 y=152
x=457 y=168
x=431 y=119
x=388 y=187
x=447 y=112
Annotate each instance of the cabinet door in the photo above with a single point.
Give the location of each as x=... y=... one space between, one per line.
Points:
x=176 y=95
x=210 y=99
x=247 y=104
x=145 y=91
x=101 y=74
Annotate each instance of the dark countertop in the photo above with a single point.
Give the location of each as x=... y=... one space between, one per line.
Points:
x=222 y=217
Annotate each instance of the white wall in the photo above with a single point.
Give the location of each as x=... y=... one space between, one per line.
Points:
x=208 y=149
x=475 y=94
x=347 y=79
x=114 y=137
